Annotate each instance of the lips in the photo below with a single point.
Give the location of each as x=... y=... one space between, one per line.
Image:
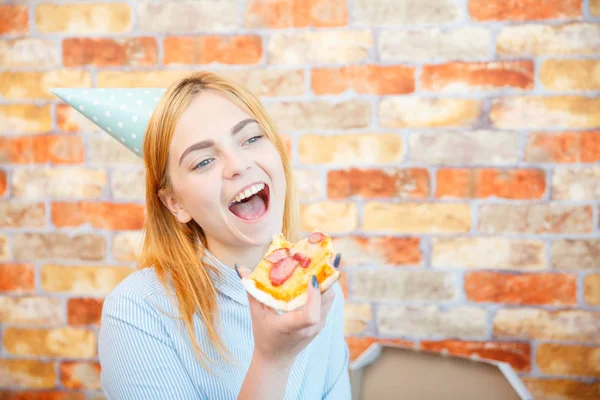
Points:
x=251 y=202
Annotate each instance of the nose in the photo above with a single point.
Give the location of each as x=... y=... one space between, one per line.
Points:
x=235 y=164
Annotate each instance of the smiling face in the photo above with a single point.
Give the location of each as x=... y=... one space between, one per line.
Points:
x=225 y=174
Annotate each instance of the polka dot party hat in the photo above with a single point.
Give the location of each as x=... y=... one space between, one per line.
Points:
x=123 y=113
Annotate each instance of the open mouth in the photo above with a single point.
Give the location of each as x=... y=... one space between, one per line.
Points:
x=251 y=203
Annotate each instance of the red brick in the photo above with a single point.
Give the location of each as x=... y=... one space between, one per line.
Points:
x=100 y=215
x=561 y=389
x=523 y=10
x=563 y=147
x=210 y=49
x=517 y=354
x=383 y=250
x=17 y=278
x=484 y=183
x=464 y=77
x=53 y=149
x=3 y=183
x=364 y=79
x=84 y=311
x=105 y=52
x=80 y=375
x=357 y=345
x=523 y=289
x=14 y=19
x=295 y=14
x=41 y=395
x=377 y=183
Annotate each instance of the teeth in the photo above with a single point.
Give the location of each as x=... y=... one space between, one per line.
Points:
x=248 y=192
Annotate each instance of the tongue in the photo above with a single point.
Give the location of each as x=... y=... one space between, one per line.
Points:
x=251 y=209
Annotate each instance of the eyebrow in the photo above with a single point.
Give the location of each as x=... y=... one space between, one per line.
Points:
x=209 y=143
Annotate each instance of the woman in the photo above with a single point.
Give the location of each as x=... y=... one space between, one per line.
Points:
x=183 y=326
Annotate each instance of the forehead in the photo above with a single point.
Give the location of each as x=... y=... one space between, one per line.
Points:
x=210 y=115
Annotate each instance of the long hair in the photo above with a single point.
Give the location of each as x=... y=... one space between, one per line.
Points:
x=174 y=249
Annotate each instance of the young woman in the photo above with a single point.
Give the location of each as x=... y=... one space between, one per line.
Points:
x=183 y=326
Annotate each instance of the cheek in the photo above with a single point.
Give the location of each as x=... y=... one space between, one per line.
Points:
x=200 y=194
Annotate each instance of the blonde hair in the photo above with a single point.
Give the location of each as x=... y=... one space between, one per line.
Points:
x=174 y=249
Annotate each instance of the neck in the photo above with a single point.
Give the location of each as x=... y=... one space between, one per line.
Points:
x=247 y=257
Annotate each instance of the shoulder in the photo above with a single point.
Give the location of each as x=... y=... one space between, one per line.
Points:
x=138 y=300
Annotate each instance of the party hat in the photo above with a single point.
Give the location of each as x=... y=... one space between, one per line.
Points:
x=123 y=113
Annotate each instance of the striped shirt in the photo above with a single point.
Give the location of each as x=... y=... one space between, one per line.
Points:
x=144 y=352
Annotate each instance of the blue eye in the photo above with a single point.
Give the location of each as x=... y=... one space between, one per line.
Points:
x=203 y=163
x=254 y=139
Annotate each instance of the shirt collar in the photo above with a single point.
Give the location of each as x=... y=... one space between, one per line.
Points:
x=229 y=283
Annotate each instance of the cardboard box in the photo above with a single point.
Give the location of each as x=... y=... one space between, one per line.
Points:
x=385 y=372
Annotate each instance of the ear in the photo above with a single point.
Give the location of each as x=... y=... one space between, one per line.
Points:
x=170 y=201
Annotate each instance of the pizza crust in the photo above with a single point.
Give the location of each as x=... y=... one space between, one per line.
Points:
x=280 y=305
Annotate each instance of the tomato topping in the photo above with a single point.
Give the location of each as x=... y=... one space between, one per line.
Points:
x=278 y=255
x=303 y=260
x=316 y=237
x=282 y=270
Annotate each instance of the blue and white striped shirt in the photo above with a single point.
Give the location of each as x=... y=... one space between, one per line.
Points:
x=144 y=352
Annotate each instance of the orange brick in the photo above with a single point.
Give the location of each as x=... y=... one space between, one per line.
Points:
x=573 y=360
x=17 y=278
x=367 y=79
x=80 y=375
x=382 y=250
x=84 y=311
x=210 y=49
x=41 y=395
x=22 y=215
x=516 y=112
x=595 y=10
x=464 y=77
x=483 y=183
x=563 y=147
x=517 y=354
x=83 y=280
x=88 y=17
x=105 y=52
x=591 y=289
x=295 y=13
x=99 y=215
x=412 y=183
x=14 y=19
x=561 y=389
x=3 y=183
x=25 y=118
x=57 y=342
x=523 y=10
x=37 y=85
x=525 y=289
x=41 y=149
x=27 y=373
x=70 y=120
x=570 y=74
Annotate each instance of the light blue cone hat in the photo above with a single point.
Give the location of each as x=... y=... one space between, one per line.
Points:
x=123 y=113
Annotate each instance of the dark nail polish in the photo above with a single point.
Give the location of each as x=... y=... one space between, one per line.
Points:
x=336 y=262
x=236 y=270
x=315 y=282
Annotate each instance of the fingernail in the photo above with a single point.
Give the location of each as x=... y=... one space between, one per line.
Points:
x=315 y=282
x=237 y=271
x=336 y=262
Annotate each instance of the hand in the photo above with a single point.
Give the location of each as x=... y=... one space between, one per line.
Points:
x=278 y=339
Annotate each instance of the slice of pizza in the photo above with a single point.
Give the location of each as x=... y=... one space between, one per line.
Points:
x=281 y=278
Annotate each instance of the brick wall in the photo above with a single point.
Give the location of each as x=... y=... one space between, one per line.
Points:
x=460 y=174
